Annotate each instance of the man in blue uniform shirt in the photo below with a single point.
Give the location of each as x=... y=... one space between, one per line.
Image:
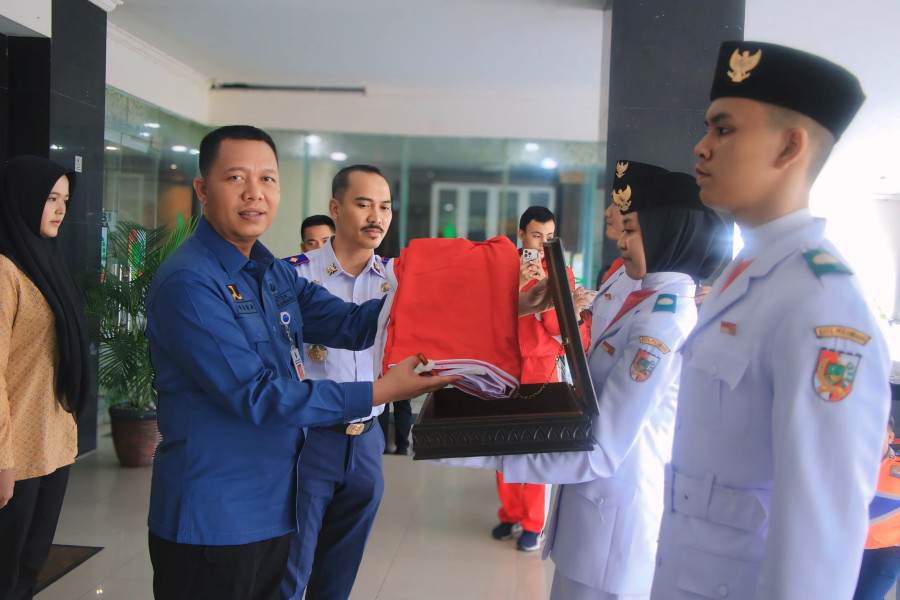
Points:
x=785 y=350
x=225 y=321
x=340 y=478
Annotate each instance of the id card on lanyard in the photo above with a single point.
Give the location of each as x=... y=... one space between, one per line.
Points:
x=296 y=357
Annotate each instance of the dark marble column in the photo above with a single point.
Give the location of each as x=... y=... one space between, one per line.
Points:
x=77 y=103
x=661 y=65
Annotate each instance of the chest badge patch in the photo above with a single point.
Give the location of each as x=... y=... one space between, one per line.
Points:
x=607 y=296
x=728 y=328
x=385 y=287
x=643 y=364
x=317 y=352
x=331 y=269
x=234 y=291
x=607 y=347
x=835 y=373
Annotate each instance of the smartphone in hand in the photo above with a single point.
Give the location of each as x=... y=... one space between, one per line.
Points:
x=528 y=255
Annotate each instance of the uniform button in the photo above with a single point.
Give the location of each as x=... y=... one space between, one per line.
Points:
x=723 y=591
x=272 y=287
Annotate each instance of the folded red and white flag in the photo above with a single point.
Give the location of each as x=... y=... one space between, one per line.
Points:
x=456 y=302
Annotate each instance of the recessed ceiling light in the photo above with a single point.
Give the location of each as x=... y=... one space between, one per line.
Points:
x=179 y=148
x=338 y=156
x=548 y=163
x=55 y=147
x=194 y=151
x=173 y=166
x=313 y=139
x=145 y=134
x=112 y=148
x=152 y=125
x=532 y=147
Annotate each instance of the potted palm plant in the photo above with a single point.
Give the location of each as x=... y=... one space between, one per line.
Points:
x=115 y=300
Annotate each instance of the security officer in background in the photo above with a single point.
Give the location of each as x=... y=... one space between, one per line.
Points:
x=340 y=477
x=315 y=231
x=785 y=349
x=881 y=558
x=225 y=321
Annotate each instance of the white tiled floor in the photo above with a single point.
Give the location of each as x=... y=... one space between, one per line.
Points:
x=431 y=539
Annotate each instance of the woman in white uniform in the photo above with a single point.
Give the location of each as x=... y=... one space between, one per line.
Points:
x=602 y=537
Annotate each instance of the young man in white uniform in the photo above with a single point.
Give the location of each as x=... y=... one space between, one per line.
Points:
x=785 y=351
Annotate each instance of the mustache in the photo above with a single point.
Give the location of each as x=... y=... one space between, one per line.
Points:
x=378 y=227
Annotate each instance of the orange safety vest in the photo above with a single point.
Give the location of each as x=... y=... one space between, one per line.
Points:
x=884 y=511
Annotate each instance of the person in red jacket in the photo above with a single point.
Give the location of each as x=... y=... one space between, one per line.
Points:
x=523 y=504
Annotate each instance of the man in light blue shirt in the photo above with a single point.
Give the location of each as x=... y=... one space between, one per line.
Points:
x=340 y=478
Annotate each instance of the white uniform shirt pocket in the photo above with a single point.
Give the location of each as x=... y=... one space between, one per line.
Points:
x=712 y=576
x=714 y=374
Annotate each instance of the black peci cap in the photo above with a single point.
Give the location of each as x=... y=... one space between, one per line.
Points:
x=626 y=172
x=663 y=190
x=809 y=84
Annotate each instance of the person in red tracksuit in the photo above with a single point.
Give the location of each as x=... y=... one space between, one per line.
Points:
x=523 y=504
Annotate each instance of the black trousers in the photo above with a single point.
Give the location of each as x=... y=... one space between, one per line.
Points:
x=27 y=525
x=402 y=423
x=241 y=572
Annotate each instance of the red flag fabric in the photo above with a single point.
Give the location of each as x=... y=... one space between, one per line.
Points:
x=456 y=302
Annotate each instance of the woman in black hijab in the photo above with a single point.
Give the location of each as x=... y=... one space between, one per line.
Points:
x=606 y=519
x=43 y=366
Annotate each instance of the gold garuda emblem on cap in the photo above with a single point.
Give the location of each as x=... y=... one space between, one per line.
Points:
x=742 y=63
x=622 y=198
x=621 y=167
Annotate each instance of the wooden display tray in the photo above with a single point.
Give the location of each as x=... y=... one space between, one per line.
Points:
x=454 y=424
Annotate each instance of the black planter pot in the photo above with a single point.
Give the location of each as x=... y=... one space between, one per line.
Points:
x=135 y=435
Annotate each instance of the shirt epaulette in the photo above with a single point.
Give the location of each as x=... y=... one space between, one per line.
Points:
x=296 y=260
x=823 y=263
x=665 y=303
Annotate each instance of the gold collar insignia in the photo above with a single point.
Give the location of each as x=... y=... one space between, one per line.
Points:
x=621 y=167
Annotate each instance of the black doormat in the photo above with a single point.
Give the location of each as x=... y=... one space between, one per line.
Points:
x=61 y=560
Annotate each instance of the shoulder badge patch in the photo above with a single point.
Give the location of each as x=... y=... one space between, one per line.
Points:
x=823 y=263
x=848 y=333
x=655 y=342
x=665 y=303
x=296 y=260
x=642 y=366
x=835 y=373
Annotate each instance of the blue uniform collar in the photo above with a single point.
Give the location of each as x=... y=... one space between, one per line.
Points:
x=231 y=259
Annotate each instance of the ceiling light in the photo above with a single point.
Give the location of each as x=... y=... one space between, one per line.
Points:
x=55 y=147
x=194 y=151
x=112 y=148
x=338 y=156
x=313 y=139
x=145 y=134
x=532 y=147
x=152 y=125
x=548 y=163
x=179 y=148
x=173 y=166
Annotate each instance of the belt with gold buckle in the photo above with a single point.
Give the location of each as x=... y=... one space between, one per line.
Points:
x=353 y=428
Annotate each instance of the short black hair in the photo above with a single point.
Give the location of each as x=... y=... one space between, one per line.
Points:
x=209 y=147
x=341 y=181
x=541 y=214
x=313 y=221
